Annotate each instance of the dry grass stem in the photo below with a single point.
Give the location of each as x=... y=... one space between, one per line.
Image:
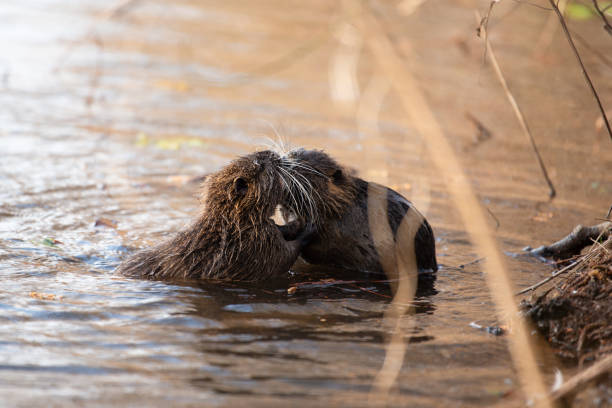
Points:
x=551 y=277
x=602 y=14
x=568 y=36
x=549 y=30
x=585 y=44
x=400 y=266
x=515 y=106
x=474 y=217
x=577 y=382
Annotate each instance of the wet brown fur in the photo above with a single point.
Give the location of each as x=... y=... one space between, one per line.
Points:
x=233 y=238
x=342 y=237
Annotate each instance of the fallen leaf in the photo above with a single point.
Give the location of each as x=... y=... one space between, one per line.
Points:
x=51 y=242
x=105 y=222
x=44 y=296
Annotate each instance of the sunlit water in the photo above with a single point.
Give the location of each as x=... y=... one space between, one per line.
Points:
x=111 y=116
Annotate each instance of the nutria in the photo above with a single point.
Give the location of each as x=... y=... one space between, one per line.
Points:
x=234 y=237
x=338 y=202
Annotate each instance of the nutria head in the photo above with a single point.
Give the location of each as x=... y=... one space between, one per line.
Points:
x=327 y=188
x=234 y=237
x=351 y=231
x=247 y=190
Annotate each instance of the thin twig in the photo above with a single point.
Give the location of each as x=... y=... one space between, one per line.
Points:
x=548 y=30
x=577 y=382
x=585 y=44
x=602 y=13
x=568 y=36
x=497 y=223
x=517 y=110
x=370 y=291
x=482 y=28
x=551 y=277
x=475 y=261
x=532 y=4
x=561 y=271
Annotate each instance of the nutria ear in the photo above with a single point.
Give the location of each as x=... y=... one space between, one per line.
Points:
x=240 y=186
x=337 y=177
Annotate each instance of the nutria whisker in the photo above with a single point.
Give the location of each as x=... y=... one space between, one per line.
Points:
x=295 y=163
x=278 y=136
x=289 y=188
x=308 y=183
x=294 y=202
x=277 y=146
x=304 y=194
x=306 y=201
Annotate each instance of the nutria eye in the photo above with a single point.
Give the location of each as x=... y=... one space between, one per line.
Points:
x=240 y=186
x=337 y=176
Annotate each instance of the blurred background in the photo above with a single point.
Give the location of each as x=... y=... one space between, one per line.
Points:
x=110 y=110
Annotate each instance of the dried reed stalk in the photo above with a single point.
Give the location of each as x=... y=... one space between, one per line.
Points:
x=399 y=263
x=578 y=381
x=515 y=106
x=587 y=78
x=423 y=119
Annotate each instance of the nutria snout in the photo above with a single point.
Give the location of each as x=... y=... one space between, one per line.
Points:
x=234 y=237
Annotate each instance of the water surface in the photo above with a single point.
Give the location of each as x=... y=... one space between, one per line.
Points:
x=108 y=114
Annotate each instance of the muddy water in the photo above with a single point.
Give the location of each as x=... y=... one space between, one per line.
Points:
x=107 y=113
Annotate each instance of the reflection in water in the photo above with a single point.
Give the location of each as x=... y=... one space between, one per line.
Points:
x=115 y=129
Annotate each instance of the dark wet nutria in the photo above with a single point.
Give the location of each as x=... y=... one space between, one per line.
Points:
x=234 y=237
x=338 y=201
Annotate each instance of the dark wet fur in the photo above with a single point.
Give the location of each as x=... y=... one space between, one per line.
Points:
x=234 y=237
x=342 y=237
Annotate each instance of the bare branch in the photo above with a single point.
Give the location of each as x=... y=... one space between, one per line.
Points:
x=602 y=13
x=578 y=381
x=517 y=110
x=584 y=71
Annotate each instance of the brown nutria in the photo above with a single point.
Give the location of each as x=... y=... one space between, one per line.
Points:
x=234 y=237
x=338 y=203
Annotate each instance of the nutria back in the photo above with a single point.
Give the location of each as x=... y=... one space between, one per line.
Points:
x=343 y=237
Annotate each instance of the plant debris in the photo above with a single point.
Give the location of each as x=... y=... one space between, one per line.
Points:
x=575 y=316
x=44 y=296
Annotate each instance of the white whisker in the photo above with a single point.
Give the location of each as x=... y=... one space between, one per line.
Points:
x=293 y=199
x=305 y=191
